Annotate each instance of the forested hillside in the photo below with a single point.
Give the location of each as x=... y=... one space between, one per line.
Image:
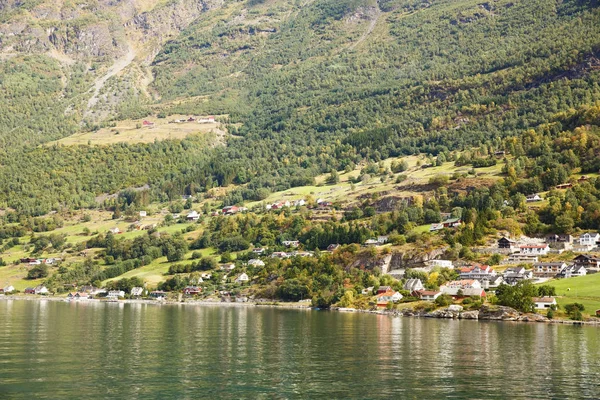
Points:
x=304 y=87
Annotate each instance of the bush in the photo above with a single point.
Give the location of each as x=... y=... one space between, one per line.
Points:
x=443 y=300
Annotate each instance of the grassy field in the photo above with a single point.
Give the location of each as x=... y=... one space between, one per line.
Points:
x=584 y=290
x=130 y=131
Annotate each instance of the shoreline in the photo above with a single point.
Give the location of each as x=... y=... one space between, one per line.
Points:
x=502 y=314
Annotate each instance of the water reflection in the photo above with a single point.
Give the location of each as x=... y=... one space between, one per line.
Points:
x=59 y=350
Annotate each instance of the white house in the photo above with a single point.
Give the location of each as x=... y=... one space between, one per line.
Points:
x=206 y=275
x=227 y=267
x=384 y=298
x=115 y=230
x=573 y=271
x=143 y=213
x=193 y=216
x=41 y=289
x=469 y=287
x=9 y=289
x=366 y=291
x=382 y=239
x=533 y=198
x=429 y=295
x=291 y=243
x=534 y=249
x=440 y=263
x=137 y=291
x=242 y=278
x=548 y=269
x=478 y=272
x=516 y=274
x=413 y=285
x=589 y=239
x=255 y=262
x=115 y=294
x=542 y=303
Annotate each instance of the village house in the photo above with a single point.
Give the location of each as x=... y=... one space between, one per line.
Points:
x=258 y=250
x=301 y=254
x=429 y=295
x=242 y=278
x=563 y=186
x=207 y=120
x=143 y=213
x=534 y=249
x=386 y=297
x=193 y=216
x=115 y=230
x=78 y=296
x=518 y=258
x=413 y=285
x=477 y=272
x=464 y=287
x=8 y=289
x=227 y=267
x=147 y=124
x=515 y=274
x=41 y=290
x=291 y=243
x=589 y=240
x=533 y=198
x=280 y=254
x=548 y=269
x=28 y=290
x=192 y=290
x=383 y=289
x=371 y=242
x=230 y=210
x=559 y=238
x=206 y=275
x=382 y=239
x=572 y=271
x=137 y=291
x=544 y=303
x=366 y=291
x=255 y=262
x=115 y=294
x=439 y=263
x=333 y=247
x=158 y=294
x=451 y=223
x=590 y=262
x=506 y=243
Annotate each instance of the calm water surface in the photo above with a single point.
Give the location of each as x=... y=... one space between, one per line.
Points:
x=57 y=350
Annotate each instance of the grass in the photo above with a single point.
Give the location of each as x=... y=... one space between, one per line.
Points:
x=127 y=131
x=583 y=289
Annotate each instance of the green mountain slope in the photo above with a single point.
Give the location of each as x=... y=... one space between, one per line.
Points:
x=307 y=86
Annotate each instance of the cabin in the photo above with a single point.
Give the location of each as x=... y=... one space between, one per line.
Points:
x=371 y=242
x=451 y=223
x=77 y=296
x=439 y=263
x=242 y=278
x=230 y=210
x=28 y=290
x=464 y=287
x=280 y=254
x=207 y=120
x=563 y=186
x=258 y=250
x=255 y=262
x=193 y=216
x=143 y=213
x=8 y=289
x=137 y=291
x=533 y=198
x=544 y=303
x=147 y=124
x=192 y=290
x=115 y=230
x=291 y=243
x=506 y=243
x=333 y=247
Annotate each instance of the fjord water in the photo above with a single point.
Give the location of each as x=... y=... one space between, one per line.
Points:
x=60 y=350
